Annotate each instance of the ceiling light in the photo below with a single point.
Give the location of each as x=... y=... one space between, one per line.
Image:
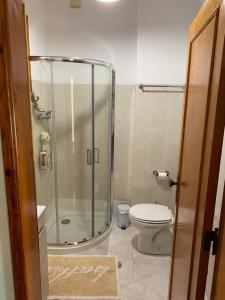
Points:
x=107 y=1
x=75 y=3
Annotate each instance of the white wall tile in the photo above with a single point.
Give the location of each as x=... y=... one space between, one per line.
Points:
x=142 y=117
x=154 y=132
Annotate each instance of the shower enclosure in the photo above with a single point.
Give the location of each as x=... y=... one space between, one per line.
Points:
x=73 y=129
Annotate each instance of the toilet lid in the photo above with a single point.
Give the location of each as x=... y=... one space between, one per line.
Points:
x=151 y=213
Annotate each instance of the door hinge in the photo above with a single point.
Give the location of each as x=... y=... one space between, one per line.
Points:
x=211 y=237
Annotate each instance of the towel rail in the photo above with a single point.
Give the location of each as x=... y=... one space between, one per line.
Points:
x=161 y=88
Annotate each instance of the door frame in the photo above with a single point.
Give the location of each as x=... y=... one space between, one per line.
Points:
x=15 y=124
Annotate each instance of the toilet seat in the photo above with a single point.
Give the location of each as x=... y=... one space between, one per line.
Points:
x=151 y=213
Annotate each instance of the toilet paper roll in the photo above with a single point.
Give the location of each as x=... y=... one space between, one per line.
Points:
x=163 y=176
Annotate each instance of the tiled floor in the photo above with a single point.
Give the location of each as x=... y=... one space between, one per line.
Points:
x=142 y=277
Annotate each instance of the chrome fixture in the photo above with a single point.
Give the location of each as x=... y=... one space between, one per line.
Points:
x=44 y=115
x=89 y=146
x=41 y=114
x=157 y=173
x=34 y=100
x=161 y=88
x=95 y=154
x=165 y=175
x=76 y=60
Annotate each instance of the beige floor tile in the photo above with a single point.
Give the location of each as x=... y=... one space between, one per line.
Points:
x=142 y=276
x=160 y=283
x=147 y=291
x=126 y=272
x=137 y=255
x=147 y=268
x=122 y=250
x=167 y=265
x=128 y=292
x=119 y=236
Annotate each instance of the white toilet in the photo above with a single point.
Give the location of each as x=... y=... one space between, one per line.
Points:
x=154 y=223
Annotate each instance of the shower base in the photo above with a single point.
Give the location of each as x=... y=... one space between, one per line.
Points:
x=76 y=249
x=75 y=234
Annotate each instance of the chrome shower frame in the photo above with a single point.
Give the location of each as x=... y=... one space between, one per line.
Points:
x=92 y=63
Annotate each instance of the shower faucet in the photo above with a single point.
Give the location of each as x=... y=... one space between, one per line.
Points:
x=41 y=114
x=165 y=176
x=44 y=115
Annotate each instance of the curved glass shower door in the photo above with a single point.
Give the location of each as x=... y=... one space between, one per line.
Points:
x=73 y=150
x=102 y=134
x=72 y=104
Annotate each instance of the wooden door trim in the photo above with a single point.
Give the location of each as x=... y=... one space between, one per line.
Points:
x=179 y=168
x=207 y=22
x=204 y=15
x=209 y=11
x=15 y=123
x=215 y=17
x=182 y=141
x=217 y=93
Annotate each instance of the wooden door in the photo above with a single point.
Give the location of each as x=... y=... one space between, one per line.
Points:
x=15 y=126
x=203 y=126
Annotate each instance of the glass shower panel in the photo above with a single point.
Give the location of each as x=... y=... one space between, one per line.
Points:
x=73 y=148
x=72 y=108
x=45 y=181
x=102 y=152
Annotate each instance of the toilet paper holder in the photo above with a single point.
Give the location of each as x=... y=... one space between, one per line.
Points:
x=166 y=174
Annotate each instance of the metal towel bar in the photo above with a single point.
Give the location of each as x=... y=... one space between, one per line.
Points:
x=162 y=88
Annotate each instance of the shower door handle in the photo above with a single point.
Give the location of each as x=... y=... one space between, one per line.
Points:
x=97 y=156
x=89 y=157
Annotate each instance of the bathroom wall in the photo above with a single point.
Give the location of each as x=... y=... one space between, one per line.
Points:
x=145 y=40
x=153 y=121
x=162 y=40
x=201 y=3
x=147 y=43
x=38 y=17
x=97 y=31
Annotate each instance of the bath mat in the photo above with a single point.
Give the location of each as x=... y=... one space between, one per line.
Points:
x=83 y=277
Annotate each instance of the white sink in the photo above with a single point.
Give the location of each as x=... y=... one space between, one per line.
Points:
x=41 y=216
